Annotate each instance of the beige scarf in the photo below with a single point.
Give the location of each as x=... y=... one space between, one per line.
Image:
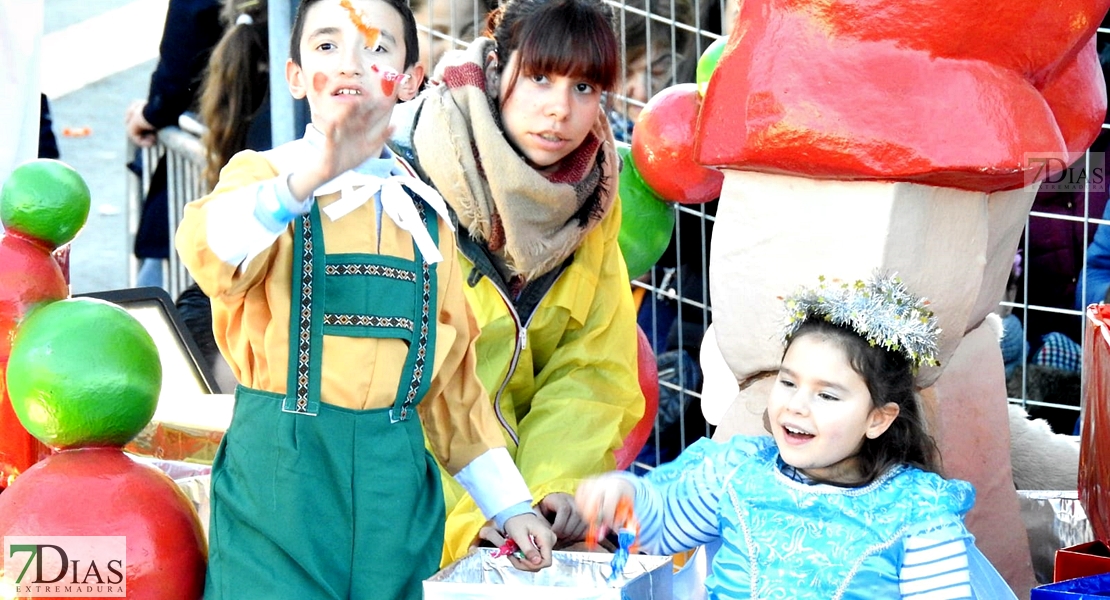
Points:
x=534 y=221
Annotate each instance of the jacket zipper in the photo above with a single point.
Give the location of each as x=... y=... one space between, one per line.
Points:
x=520 y=345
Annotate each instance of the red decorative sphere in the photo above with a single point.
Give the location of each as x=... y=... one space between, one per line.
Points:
x=649 y=384
x=102 y=492
x=663 y=148
x=30 y=277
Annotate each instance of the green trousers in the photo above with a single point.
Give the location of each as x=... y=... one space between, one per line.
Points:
x=344 y=504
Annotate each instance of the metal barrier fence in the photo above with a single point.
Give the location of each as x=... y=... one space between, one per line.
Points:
x=184 y=155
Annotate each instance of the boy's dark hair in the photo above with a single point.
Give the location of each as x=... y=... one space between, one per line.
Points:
x=889 y=377
x=541 y=30
x=412 y=48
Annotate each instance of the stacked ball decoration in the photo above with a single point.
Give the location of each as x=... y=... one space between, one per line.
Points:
x=84 y=378
x=663 y=148
x=646 y=221
x=43 y=204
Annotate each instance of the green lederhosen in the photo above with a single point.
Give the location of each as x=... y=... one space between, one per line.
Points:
x=311 y=500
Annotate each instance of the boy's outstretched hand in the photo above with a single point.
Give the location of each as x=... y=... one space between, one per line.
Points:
x=534 y=537
x=353 y=134
x=598 y=499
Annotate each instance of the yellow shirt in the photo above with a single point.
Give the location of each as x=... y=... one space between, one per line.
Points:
x=250 y=320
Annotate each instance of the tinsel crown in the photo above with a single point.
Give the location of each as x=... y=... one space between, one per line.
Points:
x=881 y=310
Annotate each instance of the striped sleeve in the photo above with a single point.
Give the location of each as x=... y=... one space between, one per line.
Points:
x=677 y=503
x=935 y=564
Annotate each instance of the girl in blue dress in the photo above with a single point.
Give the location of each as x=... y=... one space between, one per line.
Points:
x=844 y=500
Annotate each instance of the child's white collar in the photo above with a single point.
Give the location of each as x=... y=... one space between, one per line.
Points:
x=383 y=179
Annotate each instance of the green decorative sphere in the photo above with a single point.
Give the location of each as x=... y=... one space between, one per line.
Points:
x=647 y=222
x=707 y=63
x=46 y=200
x=82 y=373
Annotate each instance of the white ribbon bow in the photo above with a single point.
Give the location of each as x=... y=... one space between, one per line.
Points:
x=395 y=202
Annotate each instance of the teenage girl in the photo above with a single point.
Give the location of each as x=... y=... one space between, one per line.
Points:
x=515 y=139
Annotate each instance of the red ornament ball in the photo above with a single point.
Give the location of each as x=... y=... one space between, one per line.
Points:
x=102 y=492
x=649 y=384
x=663 y=148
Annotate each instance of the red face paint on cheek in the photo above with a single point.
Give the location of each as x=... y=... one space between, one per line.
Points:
x=319 y=80
x=389 y=79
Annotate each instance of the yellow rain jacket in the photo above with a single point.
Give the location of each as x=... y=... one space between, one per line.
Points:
x=563 y=380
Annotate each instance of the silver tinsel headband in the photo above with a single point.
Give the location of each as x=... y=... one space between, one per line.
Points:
x=881 y=310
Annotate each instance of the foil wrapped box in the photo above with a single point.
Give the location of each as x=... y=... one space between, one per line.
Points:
x=571 y=576
x=1055 y=521
x=185 y=427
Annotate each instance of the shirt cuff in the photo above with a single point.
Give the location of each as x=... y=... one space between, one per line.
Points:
x=275 y=207
x=244 y=223
x=495 y=484
x=513 y=511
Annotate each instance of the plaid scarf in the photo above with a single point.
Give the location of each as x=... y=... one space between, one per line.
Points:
x=533 y=220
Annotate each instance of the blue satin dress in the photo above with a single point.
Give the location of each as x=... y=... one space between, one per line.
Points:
x=785 y=539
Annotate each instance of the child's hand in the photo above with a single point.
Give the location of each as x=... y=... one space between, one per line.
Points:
x=598 y=498
x=566 y=521
x=534 y=537
x=352 y=136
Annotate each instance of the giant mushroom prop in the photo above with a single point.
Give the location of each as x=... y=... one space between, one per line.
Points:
x=907 y=137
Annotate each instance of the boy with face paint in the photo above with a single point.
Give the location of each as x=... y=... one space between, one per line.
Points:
x=337 y=300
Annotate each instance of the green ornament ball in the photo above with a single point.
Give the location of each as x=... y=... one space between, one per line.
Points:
x=707 y=63
x=647 y=222
x=83 y=373
x=46 y=200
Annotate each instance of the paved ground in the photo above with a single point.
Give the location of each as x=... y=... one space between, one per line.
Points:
x=97 y=58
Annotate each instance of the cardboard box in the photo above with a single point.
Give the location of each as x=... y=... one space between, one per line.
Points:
x=1083 y=560
x=572 y=576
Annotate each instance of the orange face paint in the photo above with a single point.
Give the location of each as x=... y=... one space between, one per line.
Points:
x=319 y=80
x=371 y=33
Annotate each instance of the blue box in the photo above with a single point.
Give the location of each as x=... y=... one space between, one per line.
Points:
x=1082 y=588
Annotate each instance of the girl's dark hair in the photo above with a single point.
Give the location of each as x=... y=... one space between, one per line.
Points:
x=574 y=38
x=412 y=47
x=236 y=84
x=890 y=378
